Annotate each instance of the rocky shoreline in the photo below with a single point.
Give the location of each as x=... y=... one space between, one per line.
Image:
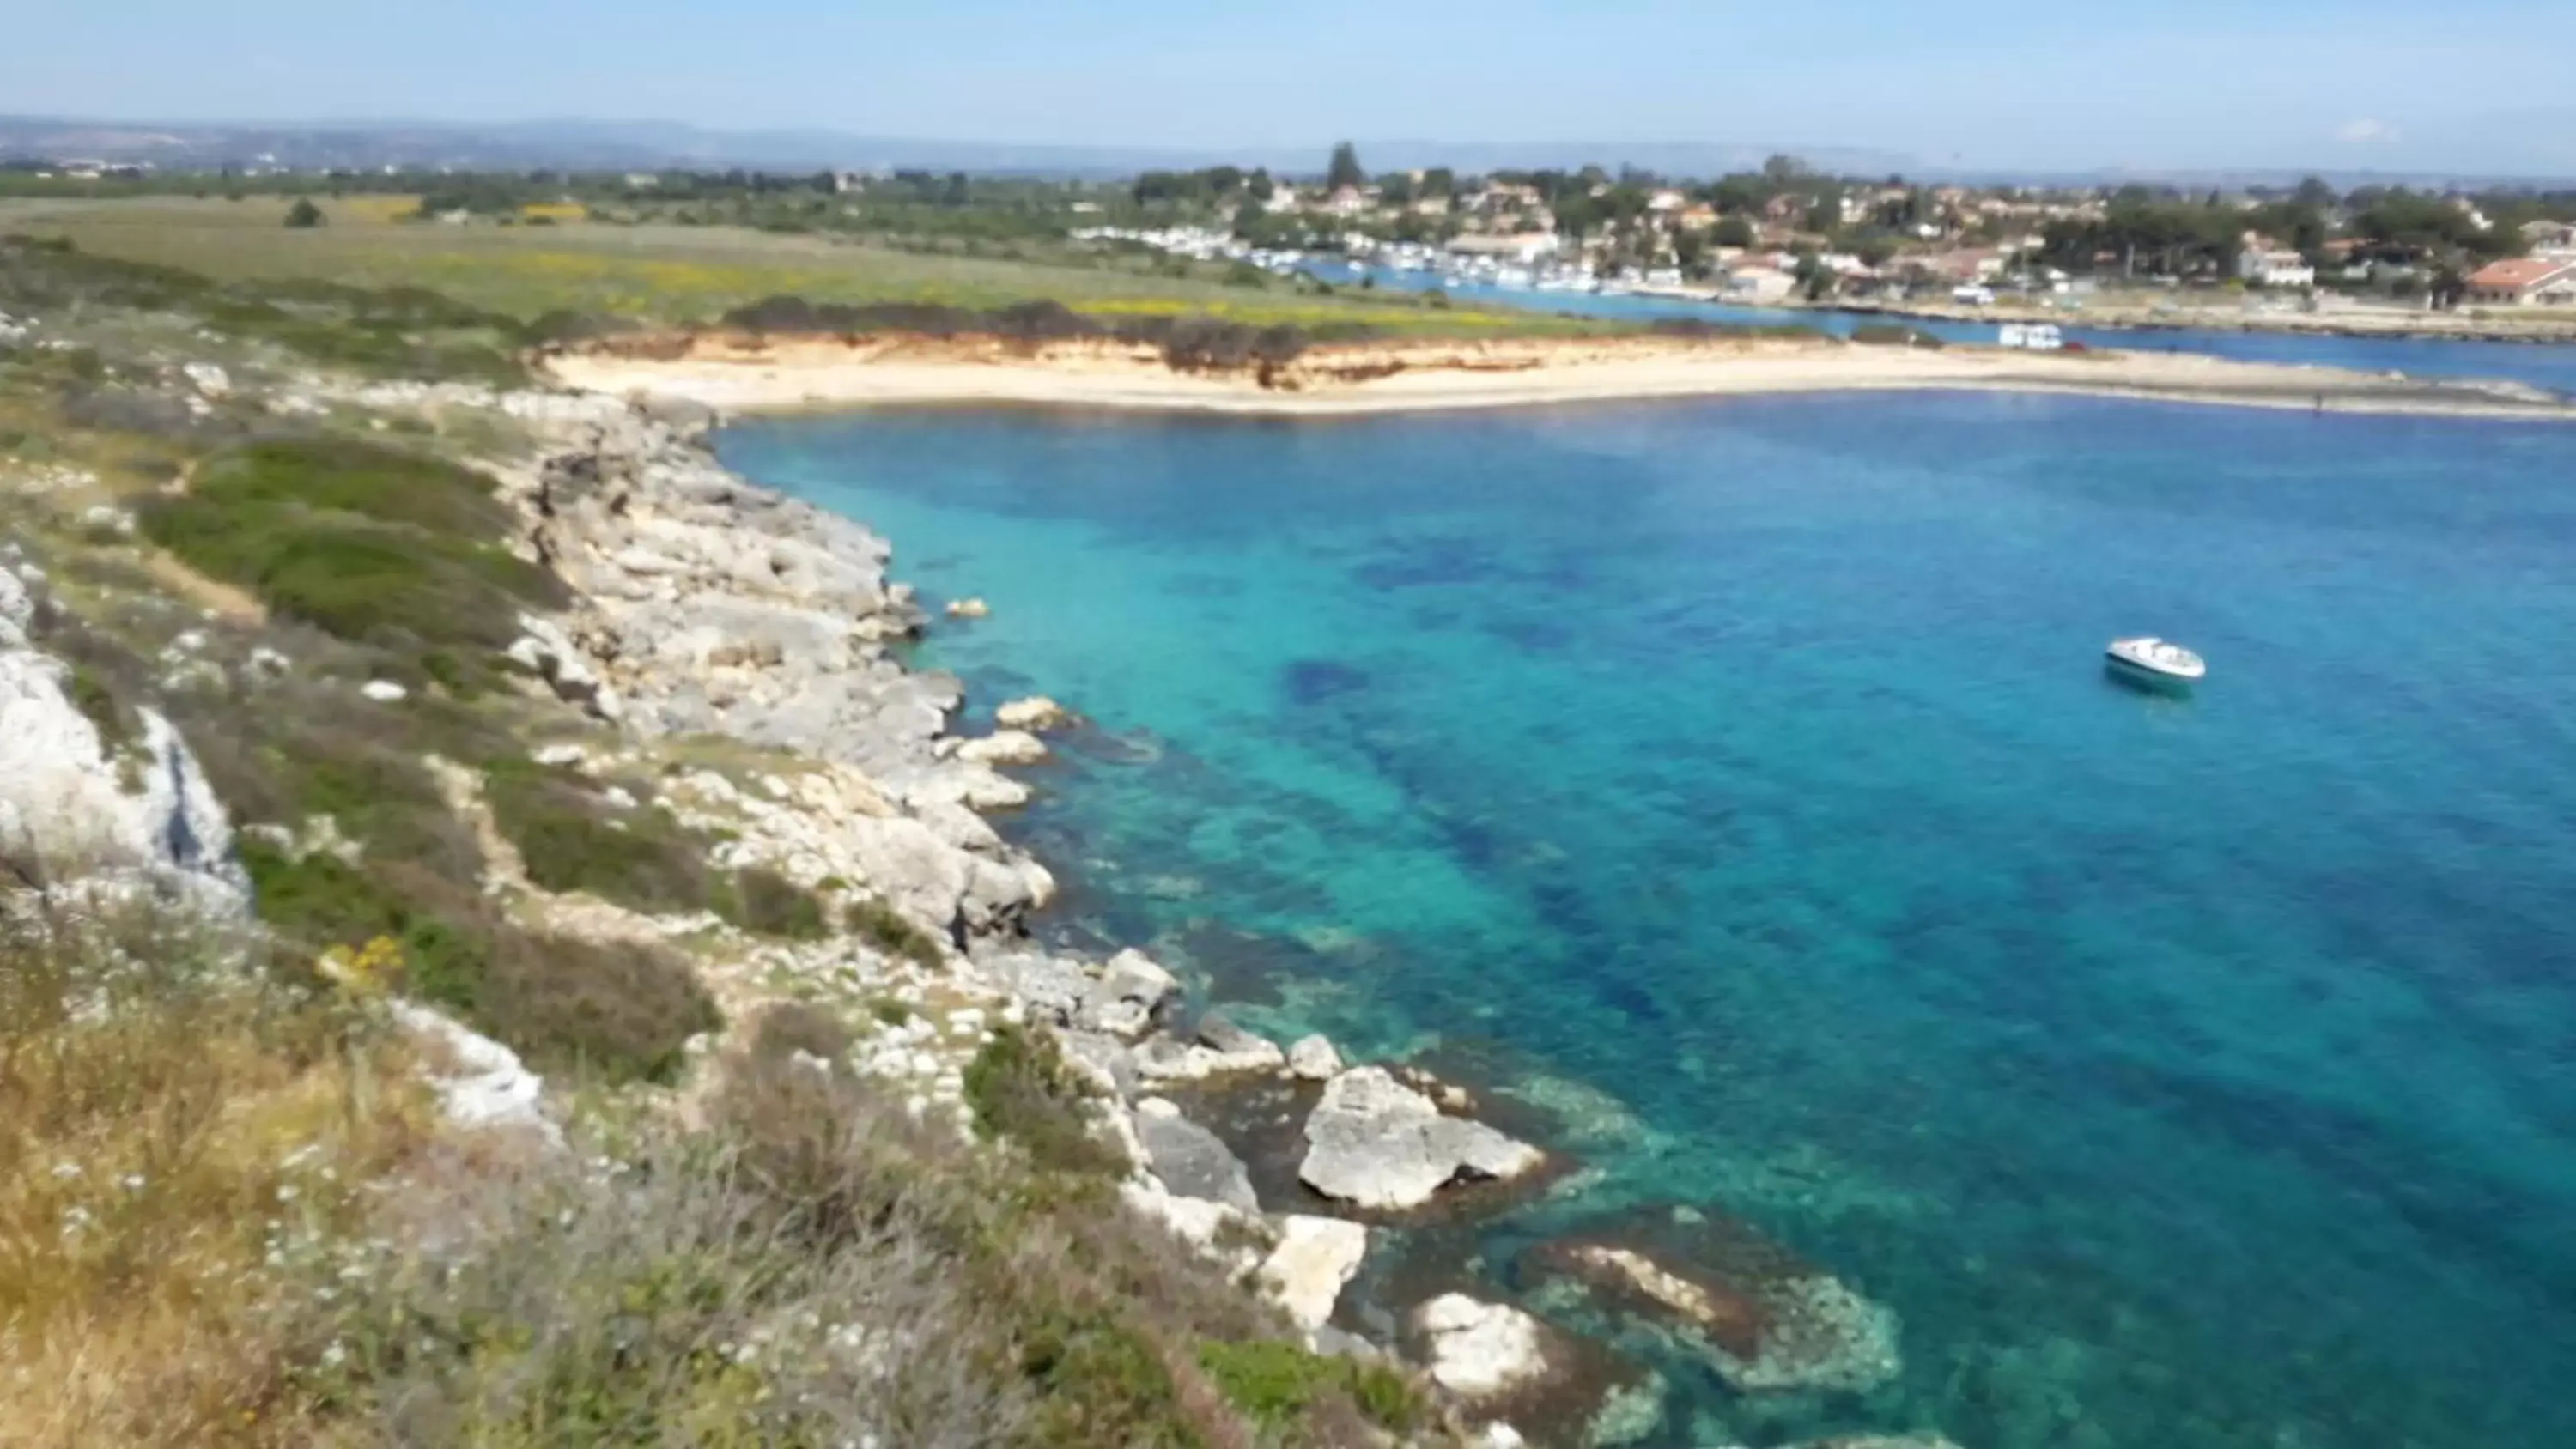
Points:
x=742 y=651
x=708 y=606
x=2420 y=327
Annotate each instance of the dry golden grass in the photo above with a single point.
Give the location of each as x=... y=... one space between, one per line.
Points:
x=171 y=1130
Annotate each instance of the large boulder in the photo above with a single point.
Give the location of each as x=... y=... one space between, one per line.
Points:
x=1480 y=1350
x=1191 y=1160
x=1037 y=712
x=1003 y=747
x=1376 y=1143
x=1222 y=1049
x=1131 y=997
x=1314 y=1059
x=1315 y=1259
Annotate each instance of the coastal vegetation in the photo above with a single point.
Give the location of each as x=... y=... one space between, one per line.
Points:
x=661 y=272
x=235 y=1208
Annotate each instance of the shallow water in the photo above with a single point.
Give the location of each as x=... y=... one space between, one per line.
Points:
x=2186 y=1072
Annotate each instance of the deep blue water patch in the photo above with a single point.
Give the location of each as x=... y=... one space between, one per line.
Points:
x=1741 y=779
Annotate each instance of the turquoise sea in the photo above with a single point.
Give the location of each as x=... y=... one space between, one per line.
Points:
x=1741 y=780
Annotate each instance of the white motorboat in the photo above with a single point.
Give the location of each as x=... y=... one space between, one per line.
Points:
x=2161 y=658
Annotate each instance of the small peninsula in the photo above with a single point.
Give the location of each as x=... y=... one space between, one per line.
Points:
x=748 y=371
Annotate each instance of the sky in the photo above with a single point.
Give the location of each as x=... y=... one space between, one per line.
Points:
x=2472 y=86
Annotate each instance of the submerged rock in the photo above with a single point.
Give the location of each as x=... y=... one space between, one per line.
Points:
x=968 y=609
x=1377 y=1143
x=1316 y=1258
x=1797 y=1331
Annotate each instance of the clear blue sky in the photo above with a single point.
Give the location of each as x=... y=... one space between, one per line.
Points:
x=2472 y=85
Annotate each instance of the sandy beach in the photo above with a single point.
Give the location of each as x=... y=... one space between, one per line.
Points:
x=751 y=373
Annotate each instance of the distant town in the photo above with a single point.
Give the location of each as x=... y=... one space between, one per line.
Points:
x=1783 y=234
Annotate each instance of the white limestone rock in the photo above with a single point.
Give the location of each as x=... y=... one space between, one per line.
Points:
x=1130 y=998
x=1004 y=747
x=1315 y=1259
x=1195 y=1221
x=1376 y=1143
x=545 y=651
x=71 y=806
x=1037 y=712
x=1478 y=1350
x=480 y=1083
x=1314 y=1059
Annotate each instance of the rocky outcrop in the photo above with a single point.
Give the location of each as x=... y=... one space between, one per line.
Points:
x=1129 y=999
x=1189 y=1159
x=1314 y=1059
x=479 y=1082
x=1315 y=1259
x=1037 y=712
x=543 y=651
x=1376 y=1143
x=1799 y=1331
x=76 y=802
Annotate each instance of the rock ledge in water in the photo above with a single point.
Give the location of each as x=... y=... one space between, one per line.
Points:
x=1806 y=1331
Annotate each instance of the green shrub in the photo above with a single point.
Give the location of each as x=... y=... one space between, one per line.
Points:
x=364 y=542
x=799 y=1026
x=1276 y=1383
x=1100 y=1382
x=571 y=840
x=1892 y=334
x=891 y=931
x=619 y=1010
x=321 y=901
x=1019 y=1088
x=770 y=904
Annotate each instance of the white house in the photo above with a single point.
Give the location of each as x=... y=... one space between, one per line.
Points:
x=1524 y=248
x=1759 y=284
x=2275 y=267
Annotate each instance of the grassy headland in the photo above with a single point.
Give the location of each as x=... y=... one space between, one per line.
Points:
x=232 y=1213
x=663 y=273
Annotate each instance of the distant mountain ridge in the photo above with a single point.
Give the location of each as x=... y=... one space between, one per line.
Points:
x=579 y=144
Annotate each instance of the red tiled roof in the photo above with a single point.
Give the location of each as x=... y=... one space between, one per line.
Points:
x=2516 y=273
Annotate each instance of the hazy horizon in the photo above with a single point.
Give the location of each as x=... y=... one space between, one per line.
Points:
x=2298 y=86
